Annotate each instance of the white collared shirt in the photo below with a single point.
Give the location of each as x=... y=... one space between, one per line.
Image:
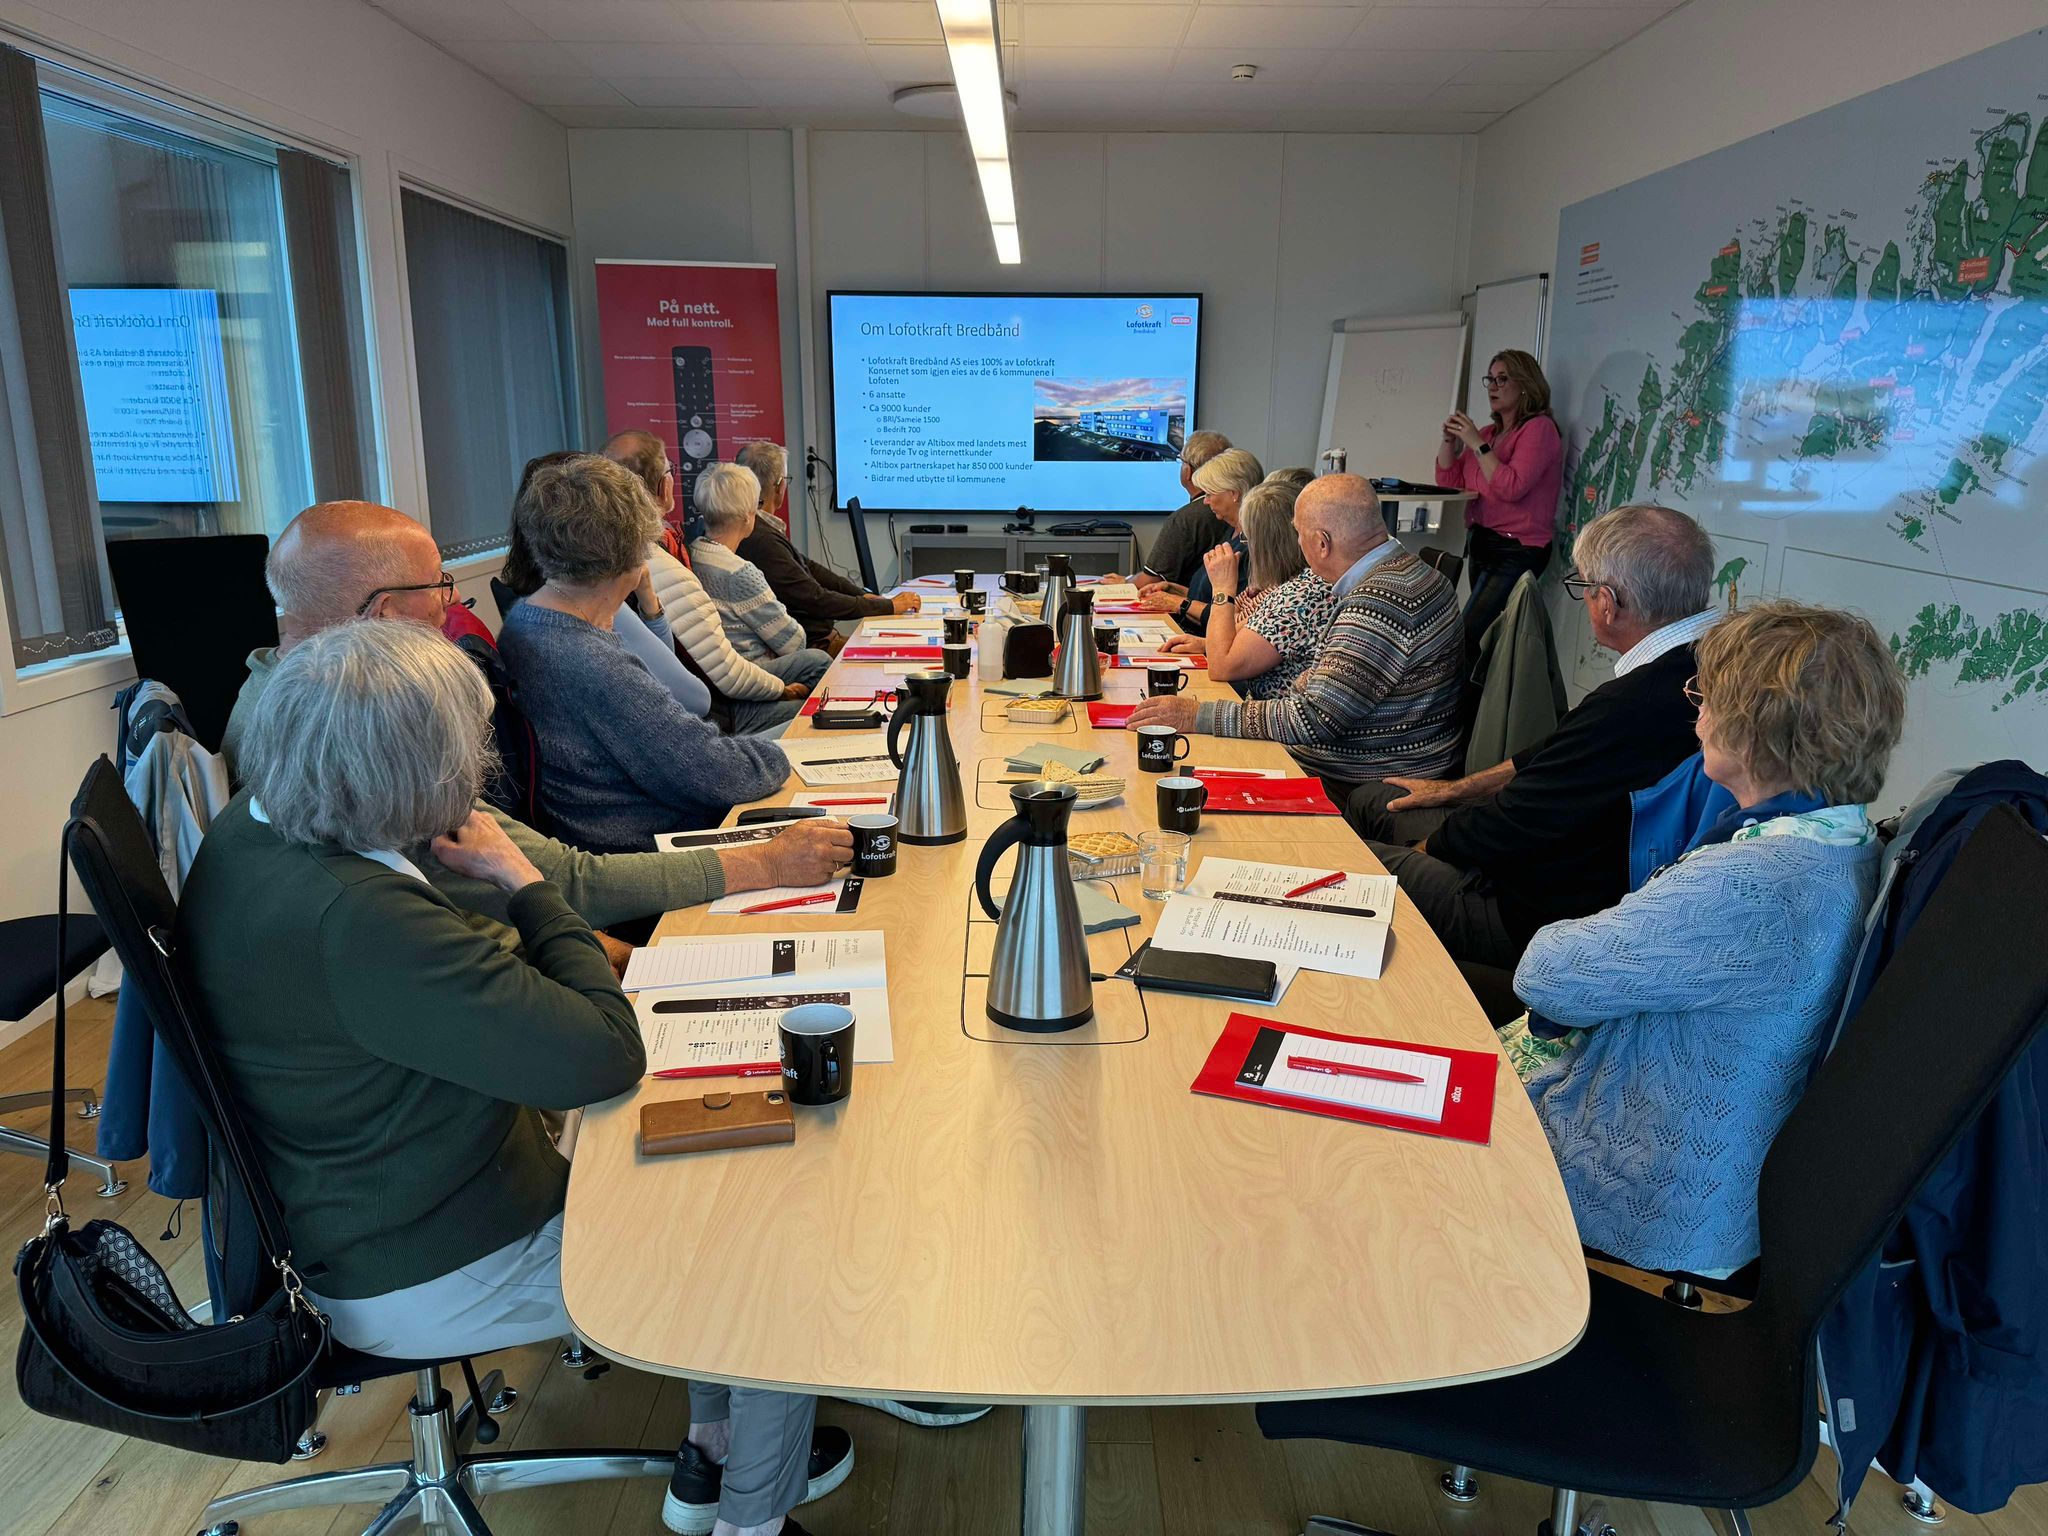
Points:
x=390 y=858
x=1669 y=638
x=1343 y=584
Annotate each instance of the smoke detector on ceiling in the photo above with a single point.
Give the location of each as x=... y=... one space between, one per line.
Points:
x=941 y=101
x=1243 y=71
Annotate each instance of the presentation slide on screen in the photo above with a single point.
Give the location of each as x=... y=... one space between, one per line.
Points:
x=156 y=393
x=991 y=402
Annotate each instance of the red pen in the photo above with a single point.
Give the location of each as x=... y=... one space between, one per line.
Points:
x=870 y=800
x=1317 y=885
x=1226 y=773
x=1347 y=1069
x=753 y=1069
x=790 y=901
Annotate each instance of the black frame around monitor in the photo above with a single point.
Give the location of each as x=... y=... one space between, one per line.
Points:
x=1194 y=386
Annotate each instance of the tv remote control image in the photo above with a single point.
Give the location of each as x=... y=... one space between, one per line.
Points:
x=696 y=422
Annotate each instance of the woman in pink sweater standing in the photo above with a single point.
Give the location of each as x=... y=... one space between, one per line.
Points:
x=1515 y=465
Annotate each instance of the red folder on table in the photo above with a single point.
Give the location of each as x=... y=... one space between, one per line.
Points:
x=1146 y=661
x=1266 y=797
x=879 y=698
x=891 y=653
x=1394 y=1083
x=1111 y=717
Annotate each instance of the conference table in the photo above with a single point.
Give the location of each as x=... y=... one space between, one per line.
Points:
x=1057 y=1221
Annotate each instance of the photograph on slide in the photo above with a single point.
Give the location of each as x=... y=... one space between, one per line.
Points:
x=1107 y=421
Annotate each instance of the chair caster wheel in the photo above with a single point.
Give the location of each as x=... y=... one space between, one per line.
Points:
x=225 y=1528
x=311 y=1444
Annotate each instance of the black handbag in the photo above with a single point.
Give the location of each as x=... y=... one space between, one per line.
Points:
x=104 y=1340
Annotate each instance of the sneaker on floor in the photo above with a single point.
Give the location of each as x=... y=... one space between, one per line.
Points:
x=691 y=1506
x=929 y=1415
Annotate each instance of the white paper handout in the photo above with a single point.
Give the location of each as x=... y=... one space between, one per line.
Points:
x=1315 y=941
x=737 y=902
x=1366 y=897
x=863 y=759
x=1111 y=591
x=853 y=959
x=1360 y=1076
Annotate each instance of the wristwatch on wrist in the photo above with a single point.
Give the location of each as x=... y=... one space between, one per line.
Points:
x=1229 y=598
x=1486 y=447
x=1182 y=611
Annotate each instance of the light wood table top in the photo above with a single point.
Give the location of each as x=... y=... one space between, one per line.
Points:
x=1058 y=1218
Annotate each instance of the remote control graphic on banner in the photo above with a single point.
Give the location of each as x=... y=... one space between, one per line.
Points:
x=693 y=354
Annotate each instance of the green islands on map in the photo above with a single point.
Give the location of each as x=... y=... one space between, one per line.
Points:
x=1936 y=345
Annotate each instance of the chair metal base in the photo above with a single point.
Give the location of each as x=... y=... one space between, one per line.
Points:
x=1919 y=1502
x=11 y=1140
x=1459 y=1485
x=440 y=1487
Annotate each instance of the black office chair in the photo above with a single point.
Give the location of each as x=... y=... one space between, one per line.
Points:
x=194 y=609
x=441 y=1482
x=1448 y=564
x=1720 y=1410
x=28 y=947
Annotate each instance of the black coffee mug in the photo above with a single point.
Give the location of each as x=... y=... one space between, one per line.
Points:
x=1107 y=638
x=1160 y=747
x=956 y=629
x=975 y=601
x=1180 y=804
x=963 y=581
x=954 y=658
x=1163 y=679
x=874 y=845
x=817 y=1053
x=1013 y=582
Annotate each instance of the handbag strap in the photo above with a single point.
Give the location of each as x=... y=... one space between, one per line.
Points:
x=59 y=1163
x=32 y=1321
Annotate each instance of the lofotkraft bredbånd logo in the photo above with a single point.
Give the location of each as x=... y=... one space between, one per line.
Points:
x=1144 y=311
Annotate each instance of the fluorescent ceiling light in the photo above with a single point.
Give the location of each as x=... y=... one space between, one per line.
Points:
x=975 y=54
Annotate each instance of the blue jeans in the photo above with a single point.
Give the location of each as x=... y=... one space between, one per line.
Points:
x=805 y=666
x=1495 y=563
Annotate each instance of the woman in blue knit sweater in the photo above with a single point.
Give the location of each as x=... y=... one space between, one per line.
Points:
x=621 y=759
x=1669 y=1036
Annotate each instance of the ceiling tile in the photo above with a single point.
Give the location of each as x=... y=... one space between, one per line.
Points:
x=753 y=62
x=811 y=23
x=509 y=58
x=1292 y=64
x=668 y=91
x=1532 y=66
x=1502 y=97
x=1396 y=66
x=1412 y=26
x=1109 y=64
x=1427 y=120
x=620 y=61
x=486 y=21
x=1283 y=26
x=911 y=64
x=1112 y=25
x=561 y=90
x=1582 y=27
x=607 y=21
x=898 y=21
x=1363 y=96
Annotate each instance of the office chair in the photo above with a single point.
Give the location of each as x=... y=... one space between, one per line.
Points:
x=439 y=1484
x=27 y=947
x=1448 y=564
x=194 y=609
x=1717 y=1410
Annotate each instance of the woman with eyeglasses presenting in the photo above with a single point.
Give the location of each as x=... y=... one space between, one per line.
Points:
x=1514 y=466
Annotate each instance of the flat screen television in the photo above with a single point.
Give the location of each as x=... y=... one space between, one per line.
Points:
x=1074 y=404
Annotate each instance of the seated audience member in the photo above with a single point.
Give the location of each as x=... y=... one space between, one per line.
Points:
x=759 y=627
x=1265 y=638
x=758 y=699
x=641 y=621
x=624 y=760
x=1544 y=835
x=1296 y=479
x=1222 y=484
x=1382 y=696
x=1670 y=1035
x=390 y=1061
x=1193 y=530
x=817 y=597
x=341 y=560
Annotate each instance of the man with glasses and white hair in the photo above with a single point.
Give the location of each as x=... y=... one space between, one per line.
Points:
x=1490 y=858
x=1193 y=530
x=817 y=596
x=755 y=621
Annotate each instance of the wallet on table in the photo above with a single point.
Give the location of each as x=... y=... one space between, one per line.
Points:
x=713 y=1121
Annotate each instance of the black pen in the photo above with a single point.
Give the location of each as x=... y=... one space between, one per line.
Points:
x=839 y=762
x=1300 y=906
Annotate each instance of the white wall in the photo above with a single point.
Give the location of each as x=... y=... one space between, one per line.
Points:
x=1708 y=75
x=1282 y=233
x=343 y=77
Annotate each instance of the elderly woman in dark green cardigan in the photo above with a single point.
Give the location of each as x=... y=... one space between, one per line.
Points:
x=391 y=1060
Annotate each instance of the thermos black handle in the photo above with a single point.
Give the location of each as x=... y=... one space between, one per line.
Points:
x=896 y=719
x=1006 y=837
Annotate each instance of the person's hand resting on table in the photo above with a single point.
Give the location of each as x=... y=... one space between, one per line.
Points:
x=906 y=602
x=1164 y=598
x=1186 y=645
x=807 y=853
x=480 y=849
x=1176 y=710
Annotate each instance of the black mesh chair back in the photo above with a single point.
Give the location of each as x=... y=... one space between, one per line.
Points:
x=194 y=609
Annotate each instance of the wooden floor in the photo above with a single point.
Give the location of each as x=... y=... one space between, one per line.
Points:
x=1151 y=1472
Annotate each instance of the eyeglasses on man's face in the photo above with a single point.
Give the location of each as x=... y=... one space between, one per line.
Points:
x=445 y=586
x=1579 y=588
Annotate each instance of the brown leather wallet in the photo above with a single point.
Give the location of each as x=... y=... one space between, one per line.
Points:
x=714 y=1121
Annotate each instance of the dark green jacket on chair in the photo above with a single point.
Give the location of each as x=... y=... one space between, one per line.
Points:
x=389 y=1059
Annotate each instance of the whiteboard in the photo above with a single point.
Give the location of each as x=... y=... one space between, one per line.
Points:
x=1506 y=316
x=1392 y=382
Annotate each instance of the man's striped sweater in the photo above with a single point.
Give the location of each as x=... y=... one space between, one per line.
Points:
x=1382 y=698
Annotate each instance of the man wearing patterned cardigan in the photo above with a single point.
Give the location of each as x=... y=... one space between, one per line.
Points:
x=1384 y=690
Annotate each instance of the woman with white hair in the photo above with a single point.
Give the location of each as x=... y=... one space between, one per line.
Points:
x=621 y=760
x=390 y=1061
x=759 y=627
x=1222 y=482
